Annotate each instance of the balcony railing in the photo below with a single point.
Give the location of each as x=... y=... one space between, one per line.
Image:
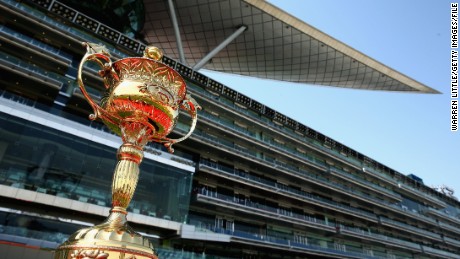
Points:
x=271 y=144
x=285 y=189
x=386 y=239
x=437 y=252
x=420 y=195
x=304 y=174
x=367 y=184
x=306 y=196
x=419 y=231
x=277 y=128
x=452 y=241
x=267 y=210
x=449 y=227
x=52 y=79
x=243 y=151
x=443 y=215
x=319 y=179
x=313 y=144
x=328 y=248
x=303 y=219
x=24 y=39
x=307 y=244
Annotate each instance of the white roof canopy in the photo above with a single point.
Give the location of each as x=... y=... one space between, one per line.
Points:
x=274 y=45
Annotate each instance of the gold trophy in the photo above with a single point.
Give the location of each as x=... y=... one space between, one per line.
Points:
x=141 y=104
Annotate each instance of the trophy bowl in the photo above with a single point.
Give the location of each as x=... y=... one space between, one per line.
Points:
x=141 y=104
x=141 y=92
x=147 y=92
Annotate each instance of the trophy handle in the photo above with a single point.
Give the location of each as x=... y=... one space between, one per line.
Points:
x=101 y=56
x=189 y=104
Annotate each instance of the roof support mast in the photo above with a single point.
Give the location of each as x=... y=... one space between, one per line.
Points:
x=175 y=24
x=219 y=47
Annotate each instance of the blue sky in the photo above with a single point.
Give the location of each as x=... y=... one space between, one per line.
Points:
x=407 y=132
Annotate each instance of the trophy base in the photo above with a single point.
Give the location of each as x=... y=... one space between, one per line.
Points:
x=111 y=239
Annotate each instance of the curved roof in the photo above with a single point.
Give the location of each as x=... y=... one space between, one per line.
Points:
x=275 y=45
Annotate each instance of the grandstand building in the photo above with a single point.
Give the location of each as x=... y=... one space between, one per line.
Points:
x=249 y=183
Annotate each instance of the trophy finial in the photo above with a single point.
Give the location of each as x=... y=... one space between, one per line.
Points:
x=153 y=53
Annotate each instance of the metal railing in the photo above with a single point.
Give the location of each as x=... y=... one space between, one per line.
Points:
x=415 y=229
x=309 y=220
x=283 y=188
x=366 y=183
x=326 y=247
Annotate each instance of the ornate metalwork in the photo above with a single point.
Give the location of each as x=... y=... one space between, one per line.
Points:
x=89 y=254
x=141 y=104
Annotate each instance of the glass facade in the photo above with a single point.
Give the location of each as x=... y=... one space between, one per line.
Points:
x=29 y=226
x=43 y=159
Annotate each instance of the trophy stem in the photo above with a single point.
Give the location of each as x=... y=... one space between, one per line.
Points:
x=114 y=238
x=126 y=176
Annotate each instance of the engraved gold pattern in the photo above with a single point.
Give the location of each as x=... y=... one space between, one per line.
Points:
x=141 y=104
x=89 y=254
